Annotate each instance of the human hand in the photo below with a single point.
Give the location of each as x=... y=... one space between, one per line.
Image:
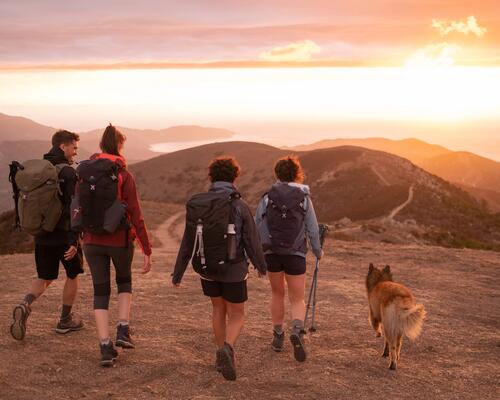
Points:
x=70 y=253
x=147 y=264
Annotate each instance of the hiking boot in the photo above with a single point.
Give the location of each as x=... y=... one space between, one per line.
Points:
x=108 y=354
x=297 y=339
x=20 y=314
x=226 y=355
x=69 y=324
x=218 y=361
x=123 y=338
x=278 y=341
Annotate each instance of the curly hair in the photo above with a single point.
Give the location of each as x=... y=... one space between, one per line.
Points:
x=288 y=169
x=224 y=168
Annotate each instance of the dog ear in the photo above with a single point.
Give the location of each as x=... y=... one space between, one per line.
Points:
x=387 y=268
x=371 y=268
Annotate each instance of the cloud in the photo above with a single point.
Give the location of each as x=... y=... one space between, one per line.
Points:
x=297 y=51
x=434 y=55
x=469 y=26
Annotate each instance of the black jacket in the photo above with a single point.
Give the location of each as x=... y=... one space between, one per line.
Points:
x=247 y=238
x=62 y=235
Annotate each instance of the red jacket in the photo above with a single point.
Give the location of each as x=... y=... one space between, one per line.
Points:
x=128 y=194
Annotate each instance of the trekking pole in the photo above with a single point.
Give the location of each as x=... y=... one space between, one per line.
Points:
x=323 y=229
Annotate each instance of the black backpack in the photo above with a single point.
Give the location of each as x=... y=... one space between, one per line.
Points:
x=285 y=215
x=97 y=207
x=207 y=218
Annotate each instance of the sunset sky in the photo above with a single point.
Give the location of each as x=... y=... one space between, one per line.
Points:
x=285 y=72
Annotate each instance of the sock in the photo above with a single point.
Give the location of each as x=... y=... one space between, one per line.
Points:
x=105 y=342
x=278 y=329
x=297 y=325
x=29 y=298
x=123 y=323
x=66 y=310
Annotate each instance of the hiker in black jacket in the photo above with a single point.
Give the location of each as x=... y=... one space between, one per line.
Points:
x=59 y=246
x=220 y=234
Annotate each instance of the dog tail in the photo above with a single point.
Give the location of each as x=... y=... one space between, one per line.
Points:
x=412 y=320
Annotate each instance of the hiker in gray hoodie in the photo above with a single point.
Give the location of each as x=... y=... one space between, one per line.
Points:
x=219 y=238
x=285 y=218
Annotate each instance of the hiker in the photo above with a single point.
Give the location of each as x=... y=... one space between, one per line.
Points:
x=219 y=235
x=285 y=217
x=108 y=212
x=45 y=188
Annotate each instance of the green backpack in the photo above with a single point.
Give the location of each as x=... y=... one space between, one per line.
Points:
x=37 y=195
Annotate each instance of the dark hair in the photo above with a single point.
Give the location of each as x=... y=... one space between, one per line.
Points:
x=224 y=168
x=110 y=140
x=288 y=169
x=65 y=137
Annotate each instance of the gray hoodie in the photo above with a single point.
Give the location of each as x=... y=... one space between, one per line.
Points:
x=311 y=228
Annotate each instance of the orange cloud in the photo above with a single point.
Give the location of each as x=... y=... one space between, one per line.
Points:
x=297 y=51
x=469 y=26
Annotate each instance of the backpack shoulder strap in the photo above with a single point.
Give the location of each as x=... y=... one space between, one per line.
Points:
x=15 y=166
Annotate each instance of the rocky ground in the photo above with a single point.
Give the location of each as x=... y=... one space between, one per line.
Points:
x=457 y=356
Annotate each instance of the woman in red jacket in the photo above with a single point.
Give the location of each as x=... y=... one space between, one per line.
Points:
x=118 y=247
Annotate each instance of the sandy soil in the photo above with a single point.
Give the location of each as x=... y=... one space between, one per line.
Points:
x=457 y=356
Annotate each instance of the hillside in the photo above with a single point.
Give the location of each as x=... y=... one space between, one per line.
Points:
x=478 y=175
x=346 y=182
x=455 y=357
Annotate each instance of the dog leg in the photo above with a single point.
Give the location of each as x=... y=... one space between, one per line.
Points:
x=375 y=323
x=400 y=344
x=393 y=356
x=386 y=349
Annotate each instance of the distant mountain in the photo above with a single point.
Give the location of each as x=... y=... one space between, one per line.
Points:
x=412 y=149
x=138 y=140
x=478 y=175
x=346 y=182
x=137 y=146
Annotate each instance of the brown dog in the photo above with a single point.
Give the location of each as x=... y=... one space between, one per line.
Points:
x=393 y=311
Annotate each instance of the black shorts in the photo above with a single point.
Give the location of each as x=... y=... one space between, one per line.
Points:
x=290 y=264
x=234 y=292
x=47 y=259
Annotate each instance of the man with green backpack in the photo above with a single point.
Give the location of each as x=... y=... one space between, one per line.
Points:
x=42 y=191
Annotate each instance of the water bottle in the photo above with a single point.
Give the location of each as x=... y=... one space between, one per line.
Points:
x=231 y=242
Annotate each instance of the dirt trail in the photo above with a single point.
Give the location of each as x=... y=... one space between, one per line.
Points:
x=455 y=358
x=400 y=207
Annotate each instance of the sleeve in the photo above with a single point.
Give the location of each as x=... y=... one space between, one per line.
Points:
x=68 y=185
x=135 y=213
x=251 y=241
x=184 y=255
x=312 y=228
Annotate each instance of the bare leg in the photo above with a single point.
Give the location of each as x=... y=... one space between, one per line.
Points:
x=38 y=286
x=102 y=324
x=219 y=320
x=296 y=288
x=70 y=291
x=235 y=321
x=124 y=302
x=277 y=281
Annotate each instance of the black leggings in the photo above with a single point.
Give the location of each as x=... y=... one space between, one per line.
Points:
x=99 y=259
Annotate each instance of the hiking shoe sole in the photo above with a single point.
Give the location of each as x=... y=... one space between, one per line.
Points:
x=298 y=347
x=18 y=327
x=124 y=344
x=227 y=365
